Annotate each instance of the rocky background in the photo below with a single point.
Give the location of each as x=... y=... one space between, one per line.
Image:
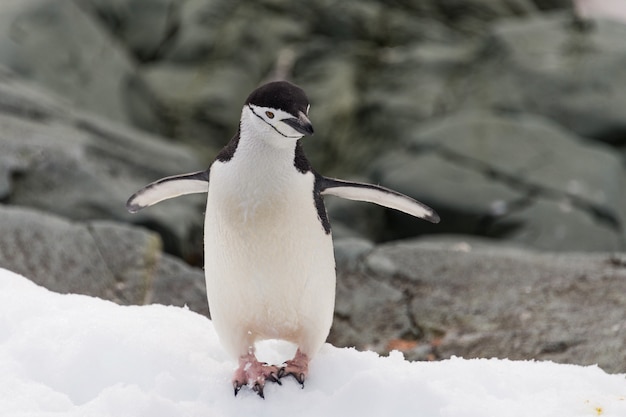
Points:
x=506 y=116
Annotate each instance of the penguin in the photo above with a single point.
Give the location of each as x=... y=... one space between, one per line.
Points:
x=269 y=261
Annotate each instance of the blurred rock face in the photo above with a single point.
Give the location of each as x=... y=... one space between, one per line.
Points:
x=508 y=117
x=378 y=74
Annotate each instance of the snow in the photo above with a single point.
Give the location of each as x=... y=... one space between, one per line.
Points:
x=73 y=355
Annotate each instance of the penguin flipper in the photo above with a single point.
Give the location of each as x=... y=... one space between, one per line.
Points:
x=375 y=194
x=168 y=187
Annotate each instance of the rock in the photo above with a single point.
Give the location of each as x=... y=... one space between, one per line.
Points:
x=58 y=46
x=176 y=283
x=465 y=198
x=130 y=254
x=565 y=70
x=83 y=167
x=350 y=251
x=532 y=151
x=26 y=100
x=199 y=86
x=368 y=313
x=202 y=108
x=331 y=83
x=489 y=174
x=102 y=259
x=554 y=4
x=554 y=225
x=199 y=29
x=472 y=15
x=127 y=20
x=476 y=298
x=410 y=84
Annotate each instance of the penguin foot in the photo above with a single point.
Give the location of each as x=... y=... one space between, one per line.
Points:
x=253 y=373
x=298 y=367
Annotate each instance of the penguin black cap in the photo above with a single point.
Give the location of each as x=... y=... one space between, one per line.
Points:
x=280 y=95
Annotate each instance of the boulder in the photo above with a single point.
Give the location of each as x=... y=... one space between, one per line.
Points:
x=331 y=83
x=553 y=225
x=551 y=64
x=510 y=176
x=127 y=21
x=477 y=298
x=83 y=167
x=57 y=45
x=406 y=86
x=176 y=283
x=103 y=259
x=465 y=198
x=197 y=88
x=198 y=107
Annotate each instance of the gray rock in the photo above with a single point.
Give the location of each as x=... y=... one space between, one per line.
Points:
x=130 y=254
x=114 y=261
x=199 y=30
x=178 y=284
x=106 y=260
x=369 y=313
x=196 y=91
x=350 y=251
x=533 y=152
x=331 y=83
x=568 y=71
x=82 y=167
x=554 y=4
x=473 y=298
x=510 y=176
x=465 y=198
x=412 y=84
x=57 y=45
x=200 y=107
x=557 y=225
x=127 y=20
x=25 y=99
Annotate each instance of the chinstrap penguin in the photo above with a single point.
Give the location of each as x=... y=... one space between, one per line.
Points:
x=269 y=262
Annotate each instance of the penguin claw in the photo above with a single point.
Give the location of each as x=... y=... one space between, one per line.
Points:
x=273 y=377
x=300 y=377
x=254 y=374
x=258 y=388
x=297 y=367
x=237 y=387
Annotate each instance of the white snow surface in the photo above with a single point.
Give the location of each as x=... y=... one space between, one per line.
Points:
x=74 y=355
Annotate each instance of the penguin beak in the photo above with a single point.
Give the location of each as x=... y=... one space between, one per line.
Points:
x=301 y=124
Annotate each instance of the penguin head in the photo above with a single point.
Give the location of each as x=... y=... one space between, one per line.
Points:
x=279 y=110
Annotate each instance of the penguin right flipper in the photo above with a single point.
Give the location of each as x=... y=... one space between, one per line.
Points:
x=376 y=194
x=168 y=187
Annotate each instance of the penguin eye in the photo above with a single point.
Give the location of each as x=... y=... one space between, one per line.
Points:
x=269 y=114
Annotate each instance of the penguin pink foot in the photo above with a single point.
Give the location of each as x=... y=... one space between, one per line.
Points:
x=298 y=367
x=253 y=373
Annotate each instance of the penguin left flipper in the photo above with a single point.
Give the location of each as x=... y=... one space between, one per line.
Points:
x=168 y=187
x=375 y=194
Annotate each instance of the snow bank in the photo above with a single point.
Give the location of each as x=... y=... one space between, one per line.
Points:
x=72 y=355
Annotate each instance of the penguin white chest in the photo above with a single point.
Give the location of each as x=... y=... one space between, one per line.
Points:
x=269 y=263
